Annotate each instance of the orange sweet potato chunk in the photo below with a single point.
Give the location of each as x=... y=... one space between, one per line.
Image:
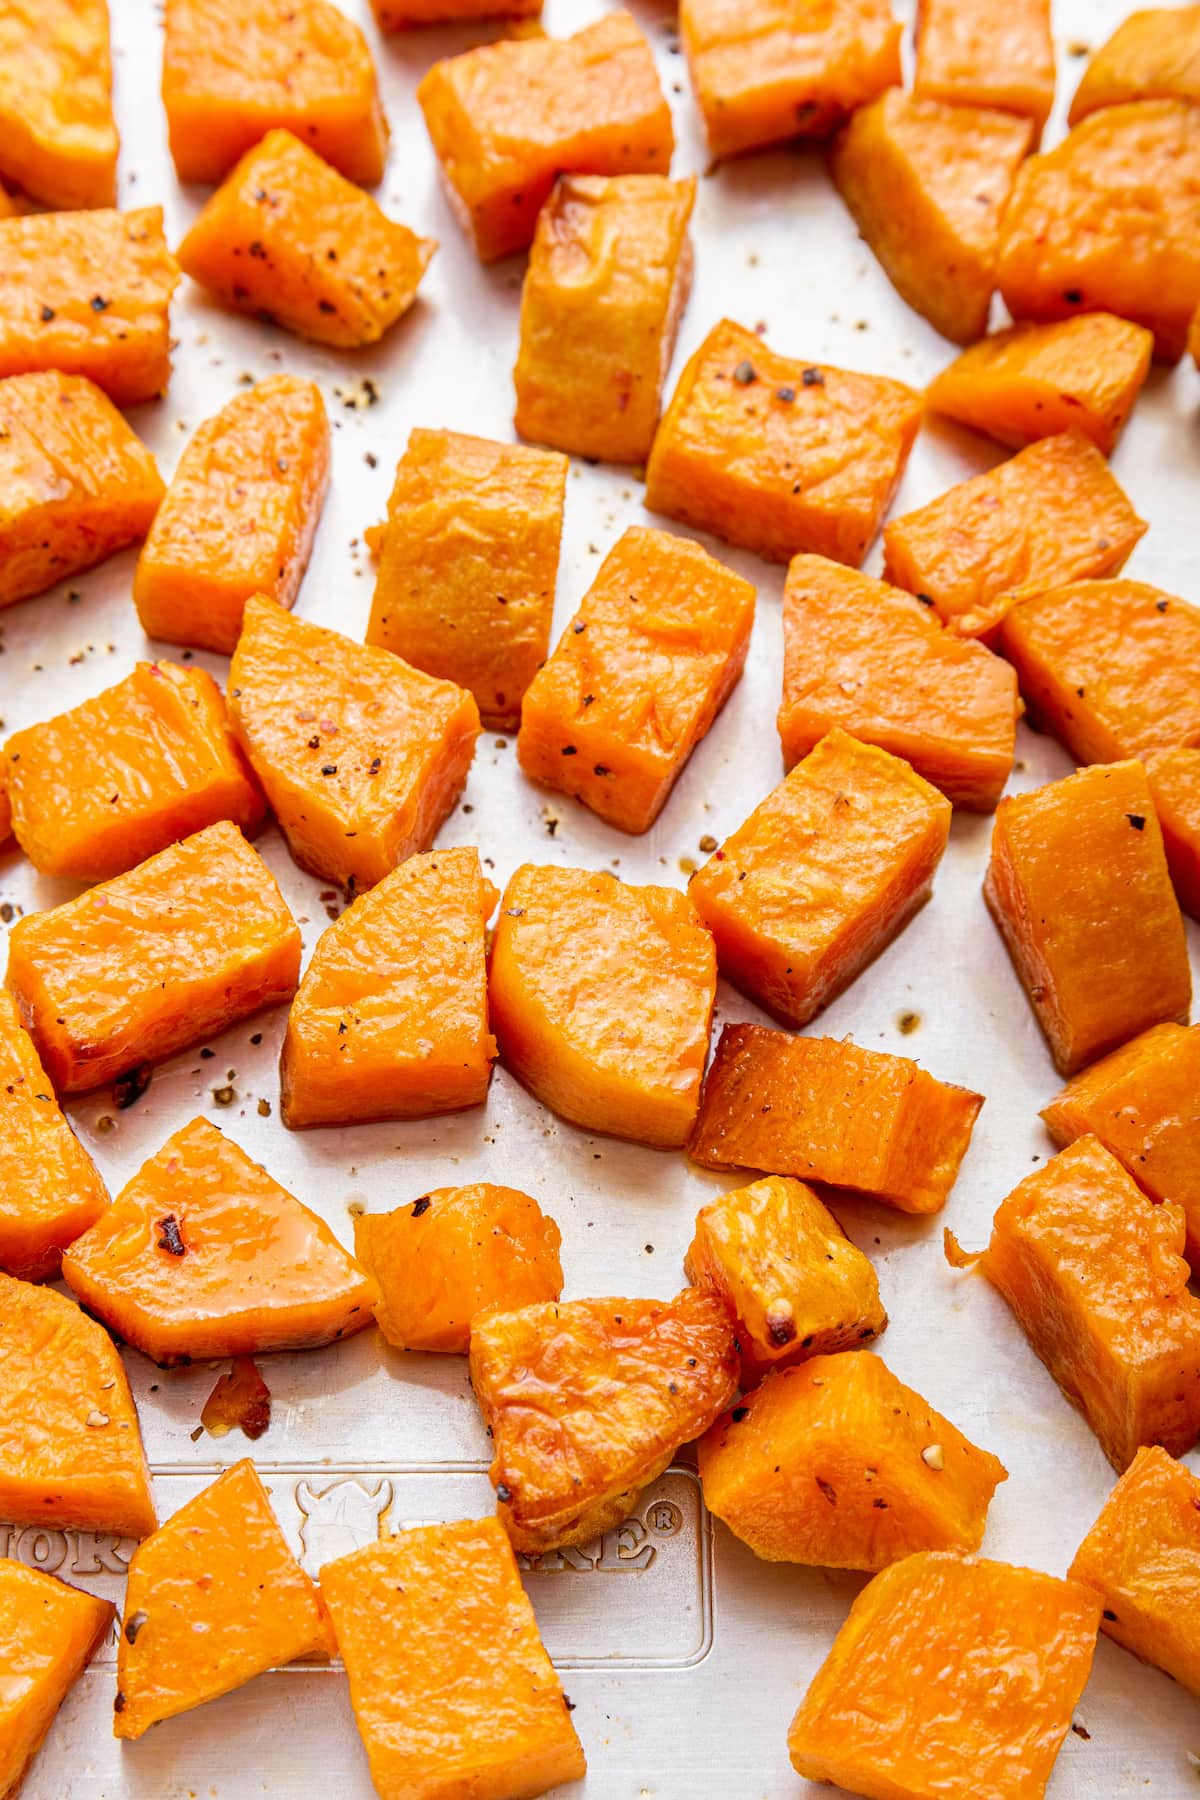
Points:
x=587 y=1401
x=451 y=1687
x=402 y=15
x=1174 y=777
x=837 y=1463
x=601 y=999
x=506 y=119
x=70 y=1447
x=58 y=138
x=1079 y=890
x=156 y=959
x=825 y=872
x=1154 y=54
x=765 y=71
x=975 y=53
x=927 y=184
x=608 y=279
x=779 y=456
x=75 y=483
x=285 y=235
x=446 y=1257
x=638 y=676
x=869 y=658
x=49 y=1632
x=828 y=1111
x=951 y=1675
x=233 y=70
x=214 y=1598
x=239 y=516
x=88 y=293
x=391 y=1020
x=468 y=565
x=794 y=1283
x=1107 y=222
x=361 y=756
x=1049 y=515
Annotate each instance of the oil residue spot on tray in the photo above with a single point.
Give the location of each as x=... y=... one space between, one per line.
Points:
x=241 y=1400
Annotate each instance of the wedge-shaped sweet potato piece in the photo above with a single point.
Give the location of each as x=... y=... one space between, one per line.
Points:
x=587 y=1401
x=1079 y=889
x=601 y=999
x=869 y=658
x=927 y=184
x=468 y=563
x=214 y=1598
x=239 y=517
x=832 y=1112
x=1174 y=777
x=1094 y=1271
x=507 y=118
x=638 y=676
x=58 y=138
x=451 y=1687
x=608 y=279
x=975 y=53
x=1049 y=515
x=361 y=756
x=951 y=1676
x=777 y=455
x=156 y=959
x=825 y=872
x=1154 y=54
x=402 y=15
x=765 y=71
x=87 y=293
x=233 y=71
x=75 y=483
x=287 y=236
x=49 y=1632
x=70 y=1447
x=1106 y=222
x=441 y=1260
x=794 y=1283
x=391 y=1020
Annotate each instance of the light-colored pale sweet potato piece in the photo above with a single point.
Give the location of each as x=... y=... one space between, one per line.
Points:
x=1174 y=777
x=58 y=138
x=1154 y=54
x=49 y=1632
x=403 y=15
x=978 y=53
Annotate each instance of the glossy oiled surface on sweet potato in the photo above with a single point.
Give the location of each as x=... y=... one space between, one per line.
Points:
x=391 y=1020
x=1079 y=889
x=70 y=1447
x=978 y=53
x=214 y=1598
x=453 y=1692
x=951 y=1675
x=156 y=959
x=777 y=455
x=588 y=1400
x=58 y=139
x=48 y=1635
x=637 y=678
x=239 y=516
x=1174 y=777
x=1154 y=54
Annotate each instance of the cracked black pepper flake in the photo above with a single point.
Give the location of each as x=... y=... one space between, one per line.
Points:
x=329 y=768
x=48 y=313
x=421 y=1206
x=745 y=373
x=1137 y=820
x=171 y=1241
x=99 y=304
x=130 y=1086
x=569 y=750
x=1072 y=296
x=813 y=378
x=578 y=626
x=786 y=394
x=504 y=1493
x=739 y=1413
x=119 y=1702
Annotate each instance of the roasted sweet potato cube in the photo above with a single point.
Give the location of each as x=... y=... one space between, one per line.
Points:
x=1079 y=889
x=927 y=184
x=1049 y=515
x=1154 y=54
x=951 y=1675
x=869 y=658
x=832 y=1112
x=587 y=1401
x=777 y=455
x=70 y=1447
x=975 y=53
x=391 y=1020
x=239 y=517
x=58 y=139
x=234 y=69
x=639 y=675
x=87 y=293
x=402 y=15
x=608 y=279
x=507 y=118
x=156 y=959
x=361 y=756
x=825 y=872
x=1035 y=381
x=794 y=1283
x=287 y=236
x=1174 y=777
x=765 y=71
x=450 y=1683
x=49 y=1632
x=214 y=1598
x=837 y=1463
x=601 y=999
x=468 y=563
x=1106 y=222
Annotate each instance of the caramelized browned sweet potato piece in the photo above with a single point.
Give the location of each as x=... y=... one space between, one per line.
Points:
x=402 y=15
x=1154 y=54
x=58 y=139
x=49 y=1632
x=1174 y=777
x=978 y=53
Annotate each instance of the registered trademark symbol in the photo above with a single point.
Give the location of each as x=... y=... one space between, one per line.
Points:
x=664 y=1518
